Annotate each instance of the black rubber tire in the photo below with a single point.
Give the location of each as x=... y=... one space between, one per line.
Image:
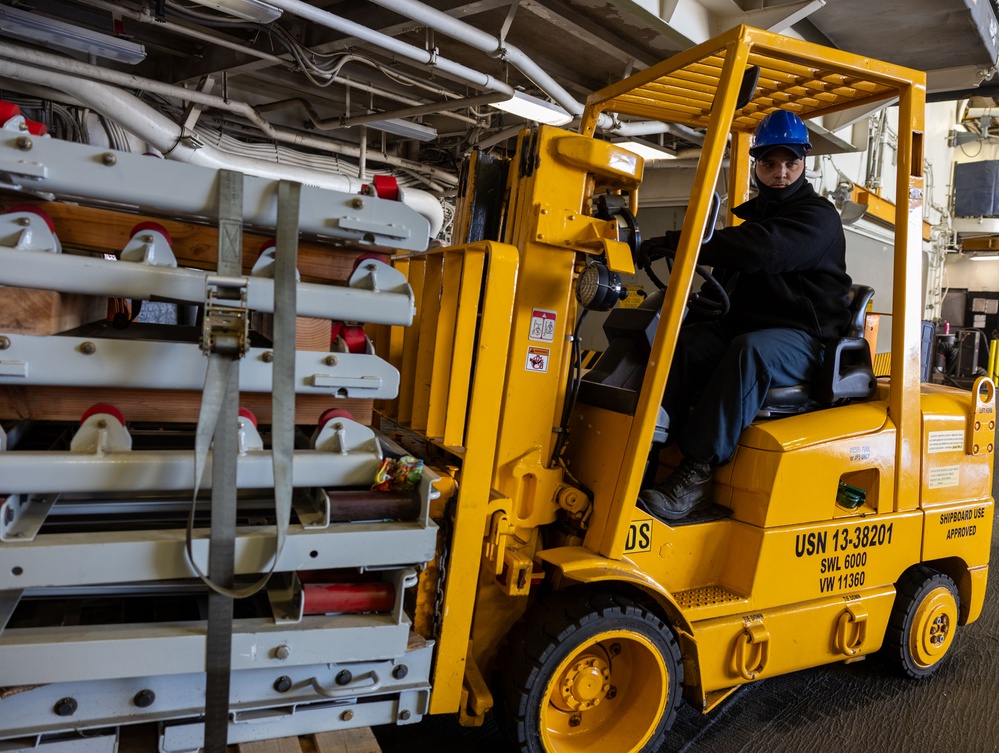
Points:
x=550 y=633
x=916 y=587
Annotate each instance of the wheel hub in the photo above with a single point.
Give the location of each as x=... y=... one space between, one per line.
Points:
x=937 y=631
x=584 y=684
x=933 y=628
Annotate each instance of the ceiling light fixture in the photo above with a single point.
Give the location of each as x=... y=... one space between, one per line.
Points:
x=986 y=257
x=532 y=108
x=405 y=128
x=250 y=10
x=645 y=150
x=33 y=27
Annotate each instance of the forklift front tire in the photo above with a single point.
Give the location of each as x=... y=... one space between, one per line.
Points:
x=590 y=670
x=923 y=622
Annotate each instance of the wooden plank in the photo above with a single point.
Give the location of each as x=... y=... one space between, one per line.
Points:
x=160 y=406
x=310 y=334
x=45 y=312
x=279 y=745
x=358 y=740
x=108 y=231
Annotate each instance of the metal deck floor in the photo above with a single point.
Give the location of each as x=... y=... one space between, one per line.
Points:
x=857 y=707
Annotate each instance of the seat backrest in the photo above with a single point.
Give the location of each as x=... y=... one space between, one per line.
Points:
x=859 y=297
x=847 y=372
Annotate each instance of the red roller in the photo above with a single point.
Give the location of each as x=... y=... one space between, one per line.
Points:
x=34 y=210
x=152 y=226
x=8 y=110
x=249 y=415
x=387 y=187
x=35 y=128
x=103 y=408
x=331 y=413
x=348 y=597
x=352 y=335
x=384 y=258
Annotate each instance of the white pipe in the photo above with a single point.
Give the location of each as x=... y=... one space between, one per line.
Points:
x=166 y=136
x=486 y=42
x=417 y=55
x=35 y=57
x=146 y=17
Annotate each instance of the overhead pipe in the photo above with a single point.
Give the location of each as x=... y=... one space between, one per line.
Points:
x=391 y=44
x=168 y=137
x=131 y=81
x=146 y=17
x=343 y=121
x=408 y=112
x=486 y=42
x=496 y=47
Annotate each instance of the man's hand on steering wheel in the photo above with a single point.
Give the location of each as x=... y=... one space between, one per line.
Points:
x=660 y=247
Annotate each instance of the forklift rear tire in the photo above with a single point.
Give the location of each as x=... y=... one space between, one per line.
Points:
x=589 y=670
x=923 y=622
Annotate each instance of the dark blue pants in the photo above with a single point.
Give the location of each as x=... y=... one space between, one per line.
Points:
x=724 y=376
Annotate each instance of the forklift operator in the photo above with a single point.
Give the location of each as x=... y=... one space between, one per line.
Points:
x=789 y=296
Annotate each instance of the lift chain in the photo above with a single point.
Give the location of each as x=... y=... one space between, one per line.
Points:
x=444 y=553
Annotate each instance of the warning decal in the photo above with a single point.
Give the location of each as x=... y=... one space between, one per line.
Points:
x=537 y=359
x=945 y=476
x=945 y=441
x=543 y=326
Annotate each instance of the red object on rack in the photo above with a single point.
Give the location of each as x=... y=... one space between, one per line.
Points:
x=387 y=187
x=34 y=210
x=103 y=408
x=152 y=226
x=8 y=110
x=352 y=334
x=323 y=598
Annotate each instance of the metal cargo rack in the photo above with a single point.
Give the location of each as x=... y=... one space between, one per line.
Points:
x=105 y=527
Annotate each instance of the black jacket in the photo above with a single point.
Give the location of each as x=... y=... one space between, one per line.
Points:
x=791 y=259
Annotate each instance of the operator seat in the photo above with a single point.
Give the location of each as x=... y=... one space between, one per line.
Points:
x=847 y=372
x=613 y=383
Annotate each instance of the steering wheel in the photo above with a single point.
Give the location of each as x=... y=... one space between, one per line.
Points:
x=712 y=299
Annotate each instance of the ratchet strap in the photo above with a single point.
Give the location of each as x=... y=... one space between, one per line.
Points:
x=225 y=341
x=282 y=392
x=221 y=400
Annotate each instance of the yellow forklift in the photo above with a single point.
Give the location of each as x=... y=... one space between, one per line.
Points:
x=861 y=526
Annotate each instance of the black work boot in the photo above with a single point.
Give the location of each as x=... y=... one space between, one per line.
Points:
x=687 y=488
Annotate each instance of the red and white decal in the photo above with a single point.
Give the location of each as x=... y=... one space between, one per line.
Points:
x=543 y=326
x=537 y=359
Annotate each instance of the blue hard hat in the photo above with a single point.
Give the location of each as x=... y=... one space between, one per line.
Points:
x=780 y=128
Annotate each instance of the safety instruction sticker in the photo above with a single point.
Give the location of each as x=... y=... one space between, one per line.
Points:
x=537 y=359
x=945 y=441
x=947 y=475
x=543 y=326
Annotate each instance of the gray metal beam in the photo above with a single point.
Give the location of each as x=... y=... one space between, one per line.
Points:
x=60 y=654
x=140 y=364
x=103 y=277
x=73 y=170
x=76 y=559
x=172 y=470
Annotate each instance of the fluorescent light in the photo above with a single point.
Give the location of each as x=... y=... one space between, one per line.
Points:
x=645 y=150
x=405 y=128
x=986 y=257
x=33 y=27
x=251 y=10
x=532 y=108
